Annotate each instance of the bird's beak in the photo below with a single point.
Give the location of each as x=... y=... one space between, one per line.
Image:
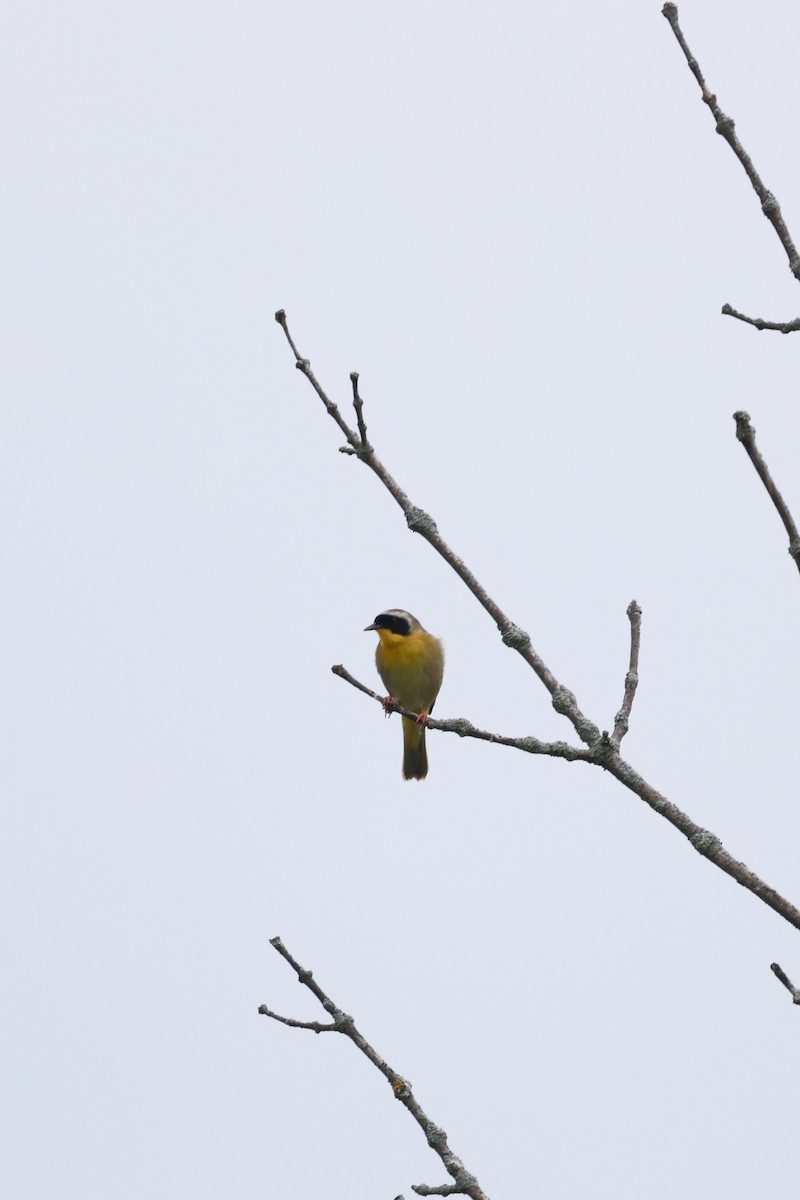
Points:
x=368 y=627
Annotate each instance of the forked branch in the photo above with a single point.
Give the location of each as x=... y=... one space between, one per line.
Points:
x=603 y=747
x=419 y=522
x=464 y=728
x=725 y=126
x=464 y=1183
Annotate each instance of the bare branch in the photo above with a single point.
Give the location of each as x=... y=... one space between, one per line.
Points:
x=605 y=754
x=786 y=981
x=603 y=749
x=418 y=521
x=702 y=840
x=726 y=128
x=314 y=1026
x=280 y=317
x=632 y=677
x=760 y=323
x=304 y=365
x=746 y=434
x=464 y=1183
x=464 y=728
x=358 y=405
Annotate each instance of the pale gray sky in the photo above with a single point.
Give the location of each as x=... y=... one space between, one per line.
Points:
x=517 y=222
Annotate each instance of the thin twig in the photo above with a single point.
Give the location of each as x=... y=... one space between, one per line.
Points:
x=746 y=434
x=632 y=677
x=314 y=1026
x=760 y=323
x=726 y=128
x=465 y=1184
x=358 y=405
x=280 y=317
x=786 y=981
x=304 y=365
x=464 y=728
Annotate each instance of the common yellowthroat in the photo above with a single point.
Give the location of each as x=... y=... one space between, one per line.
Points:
x=410 y=662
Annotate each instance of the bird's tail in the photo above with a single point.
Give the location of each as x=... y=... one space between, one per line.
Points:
x=415 y=756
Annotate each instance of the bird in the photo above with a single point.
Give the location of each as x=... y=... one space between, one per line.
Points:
x=410 y=662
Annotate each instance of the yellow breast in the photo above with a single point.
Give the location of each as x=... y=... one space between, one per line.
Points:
x=411 y=667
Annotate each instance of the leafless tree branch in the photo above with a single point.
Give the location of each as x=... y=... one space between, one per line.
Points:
x=769 y=205
x=464 y=728
x=632 y=677
x=314 y=1026
x=464 y=1183
x=786 y=981
x=358 y=405
x=604 y=749
x=746 y=434
x=420 y=522
x=760 y=323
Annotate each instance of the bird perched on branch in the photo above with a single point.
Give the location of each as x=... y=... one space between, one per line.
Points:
x=410 y=662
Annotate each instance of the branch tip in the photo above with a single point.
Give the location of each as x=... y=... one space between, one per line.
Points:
x=725 y=126
x=780 y=974
x=622 y=719
x=343 y=1023
x=364 y=447
x=746 y=434
x=760 y=324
